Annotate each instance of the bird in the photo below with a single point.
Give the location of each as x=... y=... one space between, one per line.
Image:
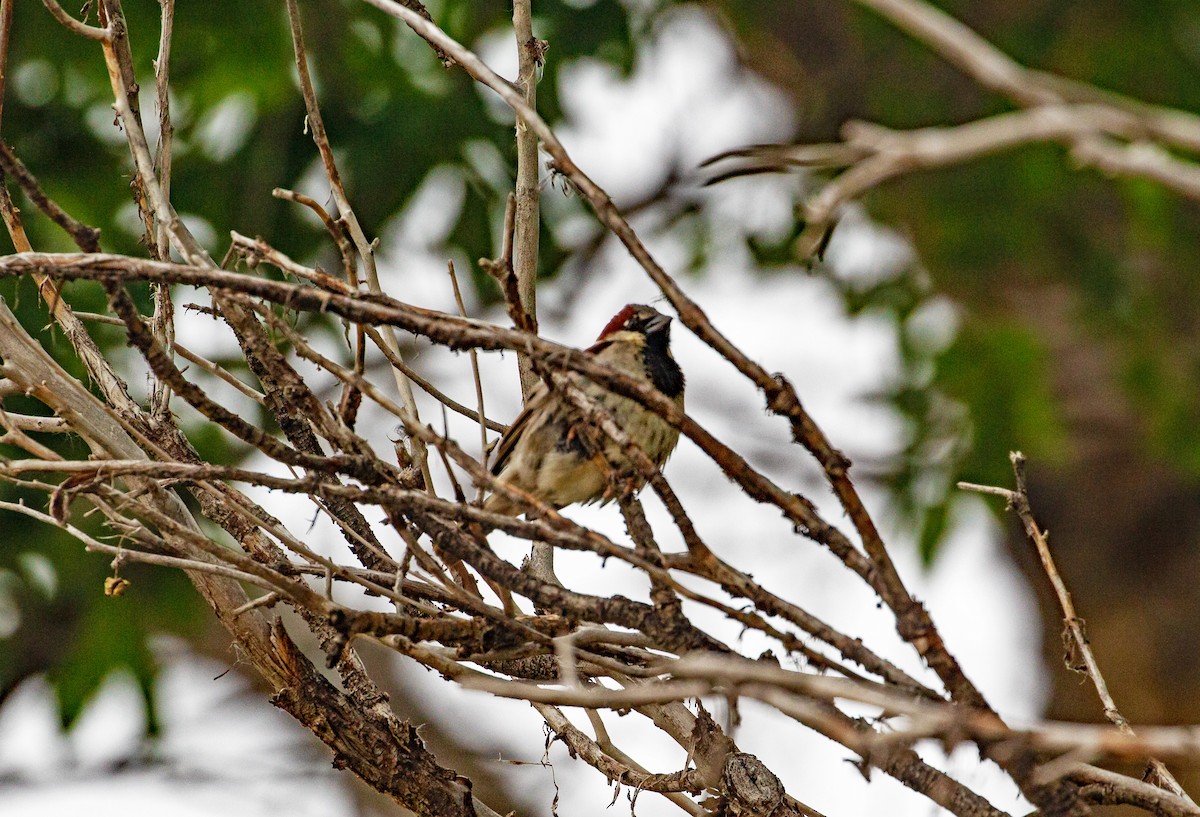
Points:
x=549 y=453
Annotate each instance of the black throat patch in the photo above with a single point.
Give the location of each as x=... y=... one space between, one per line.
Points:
x=664 y=372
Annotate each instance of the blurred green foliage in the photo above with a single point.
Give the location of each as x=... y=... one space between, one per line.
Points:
x=1032 y=249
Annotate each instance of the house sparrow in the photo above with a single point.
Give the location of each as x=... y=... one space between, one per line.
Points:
x=547 y=454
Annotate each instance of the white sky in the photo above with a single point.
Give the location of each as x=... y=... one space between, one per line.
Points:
x=227 y=752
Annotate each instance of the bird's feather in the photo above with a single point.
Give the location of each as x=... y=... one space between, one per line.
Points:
x=537 y=399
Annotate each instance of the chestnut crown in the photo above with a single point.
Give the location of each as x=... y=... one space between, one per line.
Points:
x=638 y=318
x=655 y=328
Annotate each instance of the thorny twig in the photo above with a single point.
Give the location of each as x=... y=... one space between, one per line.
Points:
x=1018 y=502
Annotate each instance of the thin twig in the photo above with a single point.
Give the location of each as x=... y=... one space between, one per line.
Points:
x=462 y=310
x=1018 y=501
x=87 y=238
x=430 y=389
x=103 y=35
x=335 y=229
x=6 y=16
x=219 y=372
x=362 y=245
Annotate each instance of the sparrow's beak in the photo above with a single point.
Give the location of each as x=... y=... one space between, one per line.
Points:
x=658 y=323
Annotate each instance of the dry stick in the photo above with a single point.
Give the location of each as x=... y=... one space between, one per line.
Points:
x=15 y=435
x=1029 y=89
x=429 y=388
x=163 y=321
x=357 y=465
x=605 y=744
x=26 y=362
x=673 y=782
x=962 y=46
x=355 y=380
x=669 y=634
x=705 y=563
x=302 y=417
x=851 y=648
x=85 y=237
x=1018 y=501
x=527 y=223
x=253 y=514
x=272 y=578
x=119 y=62
x=187 y=354
x=351 y=398
x=166 y=130
x=994 y=69
x=1140 y=159
x=118 y=58
x=738 y=584
x=215 y=370
x=1084 y=119
x=642 y=535
x=151 y=201
x=34 y=422
x=462 y=310
x=99 y=34
x=6 y=15
x=623 y=770
x=316 y=483
x=197 y=473
x=886 y=751
x=722 y=673
x=1103 y=787
x=176 y=533
x=364 y=247
x=884 y=154
x=397 y=738
x=126 y=411
x=501 y=269
x=336 y=231
x=255 y=250
x=177 y=562
x=98 y=367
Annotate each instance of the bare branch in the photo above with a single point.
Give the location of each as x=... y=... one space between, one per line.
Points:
x=103 y=35
x=1018 y=501
x=527 y=222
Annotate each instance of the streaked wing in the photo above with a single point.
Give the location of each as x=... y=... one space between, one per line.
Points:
x=539 y=397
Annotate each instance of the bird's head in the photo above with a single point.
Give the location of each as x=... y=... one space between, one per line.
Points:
x=641 y=319
x=647 y=331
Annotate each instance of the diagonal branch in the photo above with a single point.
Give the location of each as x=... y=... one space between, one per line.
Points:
x=1018 y=502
